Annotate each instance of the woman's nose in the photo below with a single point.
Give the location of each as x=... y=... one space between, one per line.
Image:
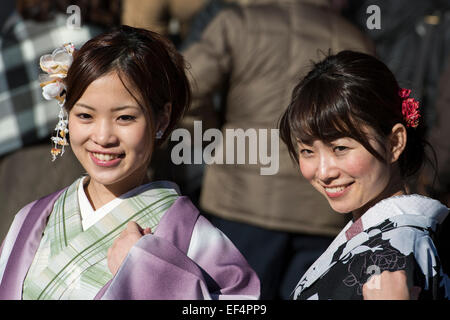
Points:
x=103 y=133
x=327 y=169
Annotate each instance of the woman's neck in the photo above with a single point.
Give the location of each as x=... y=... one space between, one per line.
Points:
x=99 y=194
x=395 y=187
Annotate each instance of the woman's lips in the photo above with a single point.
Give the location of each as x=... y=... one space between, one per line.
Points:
x=106 y=159
x=335 y=192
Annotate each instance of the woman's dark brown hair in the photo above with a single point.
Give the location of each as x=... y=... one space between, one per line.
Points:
x=340 y=97
x=143 y=60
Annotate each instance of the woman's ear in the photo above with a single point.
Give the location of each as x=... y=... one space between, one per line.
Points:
x=397 y=140
x=164 y=118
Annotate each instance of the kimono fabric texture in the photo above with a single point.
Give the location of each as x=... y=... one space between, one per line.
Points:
x=395 y=234
x=49 y=253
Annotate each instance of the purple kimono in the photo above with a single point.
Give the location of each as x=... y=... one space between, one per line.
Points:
x=169 y=264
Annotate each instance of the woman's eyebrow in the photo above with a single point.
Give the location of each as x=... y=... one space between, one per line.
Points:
x=120 y=108
x=84 y=106
x=125 y=107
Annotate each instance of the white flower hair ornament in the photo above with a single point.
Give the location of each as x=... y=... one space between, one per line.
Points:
x=56 y=66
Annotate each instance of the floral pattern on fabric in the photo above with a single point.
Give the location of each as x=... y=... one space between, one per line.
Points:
x=349 y=271
x=378 y=258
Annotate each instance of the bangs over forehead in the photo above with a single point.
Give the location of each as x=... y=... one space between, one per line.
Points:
x=319 y=115
x=322 y=110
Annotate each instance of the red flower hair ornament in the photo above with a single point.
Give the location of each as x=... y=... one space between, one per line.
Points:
x=410 y=108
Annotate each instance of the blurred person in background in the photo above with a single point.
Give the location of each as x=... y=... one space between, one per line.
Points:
x=172 y=18
x=31 y=29
x=255 y=53
x=438 y=136
x=168 y=17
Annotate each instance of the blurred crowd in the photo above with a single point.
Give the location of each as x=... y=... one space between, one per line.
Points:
x=244 y=58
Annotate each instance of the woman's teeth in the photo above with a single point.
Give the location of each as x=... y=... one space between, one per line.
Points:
x=105 y=157
x=335 y=190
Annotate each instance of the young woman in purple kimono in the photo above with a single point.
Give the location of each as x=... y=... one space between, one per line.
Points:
x=357 y=137
x=113 y=234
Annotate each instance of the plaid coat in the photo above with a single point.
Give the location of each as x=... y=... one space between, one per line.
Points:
x=25 y=116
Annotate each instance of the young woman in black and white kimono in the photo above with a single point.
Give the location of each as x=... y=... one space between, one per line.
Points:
x=357 y=137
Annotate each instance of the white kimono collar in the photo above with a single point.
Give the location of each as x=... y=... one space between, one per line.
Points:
x=415 y=205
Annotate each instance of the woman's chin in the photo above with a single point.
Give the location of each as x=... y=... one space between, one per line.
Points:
x=341 y=209
x=106 y=180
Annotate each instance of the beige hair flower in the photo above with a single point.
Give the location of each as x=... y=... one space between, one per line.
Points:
x=56 y=66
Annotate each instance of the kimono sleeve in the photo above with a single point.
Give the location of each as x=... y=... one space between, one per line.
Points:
x=430 y=282
x=11 y=236
x=156 y=269
x=412 y=250
x=219 y=258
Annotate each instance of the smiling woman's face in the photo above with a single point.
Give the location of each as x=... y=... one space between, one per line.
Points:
x=110 y=135
x=343 y=171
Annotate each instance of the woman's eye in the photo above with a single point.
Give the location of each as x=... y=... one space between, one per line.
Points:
x=340 y=149
x=127 y=118
x=84 y=116
x=306 y=152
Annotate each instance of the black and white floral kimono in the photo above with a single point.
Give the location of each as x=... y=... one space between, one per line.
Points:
x=393 y=235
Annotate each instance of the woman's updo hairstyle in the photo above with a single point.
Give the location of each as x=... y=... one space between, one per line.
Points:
x=342 y=95
x=147 y=64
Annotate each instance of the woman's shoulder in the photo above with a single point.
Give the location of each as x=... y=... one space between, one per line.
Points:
x=39 y=204
x=404 y=236
x=410 y=215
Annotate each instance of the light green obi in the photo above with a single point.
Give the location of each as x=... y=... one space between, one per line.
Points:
x=71 y=263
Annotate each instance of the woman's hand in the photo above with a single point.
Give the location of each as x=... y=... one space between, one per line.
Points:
x=387 y=286
x=122 y=245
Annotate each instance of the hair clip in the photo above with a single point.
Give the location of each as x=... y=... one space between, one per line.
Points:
x=410 y=108
x=56 y=66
